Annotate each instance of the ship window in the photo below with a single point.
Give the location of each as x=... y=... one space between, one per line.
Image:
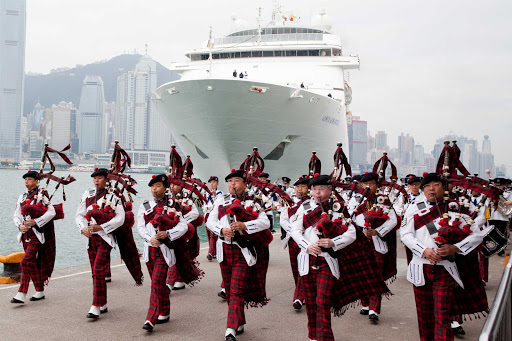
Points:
x=274 y=31
x=314 y=52
x=324 y=53
x=224 y=55
x=245 y=54
x=291 y=53
x=256 y=53
x=278 y=53
x=268 y=31
x=205 y=56
x=280 y=30
x=268 y=53
x=215 y=56
x=237 y=54
x=302 y=53
x=195 y=57
x=301 y=30
x=336 y=52
x=286 y=30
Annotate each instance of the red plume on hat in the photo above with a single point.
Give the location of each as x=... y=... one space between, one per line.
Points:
x=380 y=168
x=340 y=163
x=175 y=166
x=315 y=165
x=188 y=167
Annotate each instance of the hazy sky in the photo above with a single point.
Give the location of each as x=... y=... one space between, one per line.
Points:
x=427 y=67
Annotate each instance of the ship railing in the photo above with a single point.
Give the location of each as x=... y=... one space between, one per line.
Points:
x=498 y=326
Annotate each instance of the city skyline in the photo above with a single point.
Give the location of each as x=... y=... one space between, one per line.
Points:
x=417 y=63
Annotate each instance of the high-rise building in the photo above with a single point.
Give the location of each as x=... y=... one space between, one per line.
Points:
x=358 y=143
x=406 y=149
x=91 y=126
x=381 y=140
x=12 y=67
x=61 y=125
x=137 y=124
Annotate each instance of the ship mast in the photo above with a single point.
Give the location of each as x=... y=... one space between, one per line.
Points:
x=210 y=46
x=259 y=26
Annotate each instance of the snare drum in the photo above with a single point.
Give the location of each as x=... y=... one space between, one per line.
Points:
x=494 y=241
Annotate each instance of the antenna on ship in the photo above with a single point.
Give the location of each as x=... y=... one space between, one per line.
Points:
x=259 y=25
x=210 y=45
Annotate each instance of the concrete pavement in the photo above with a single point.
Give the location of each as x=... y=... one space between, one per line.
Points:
x=198 y=314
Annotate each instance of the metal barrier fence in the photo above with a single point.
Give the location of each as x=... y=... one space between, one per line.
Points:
x=498 y=326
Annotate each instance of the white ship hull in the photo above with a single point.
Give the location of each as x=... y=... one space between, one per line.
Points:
x=218 y=122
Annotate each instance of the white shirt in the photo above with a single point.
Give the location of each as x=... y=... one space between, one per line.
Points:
x=309 y=236
x=107 y=227
x=41 y=221
x=419 y=240
x=216 y=225
x=147 y=231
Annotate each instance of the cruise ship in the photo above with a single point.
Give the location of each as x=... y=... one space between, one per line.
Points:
x=292 y=99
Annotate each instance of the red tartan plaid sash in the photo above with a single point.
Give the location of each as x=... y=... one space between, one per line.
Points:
x=92 y=200
x=433 y=213
x=293 y=209
x=313 y=217
x=244 y=215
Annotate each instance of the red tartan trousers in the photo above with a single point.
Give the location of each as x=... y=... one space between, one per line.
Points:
x=374 y=302
x=99 y=258
x=212 y=240
x=433 y=303
x=483 y=263
x=318 y=287
x=294 y=250
x=159 y=303
x=235 y=273
x=174 y=275
x=29 y=263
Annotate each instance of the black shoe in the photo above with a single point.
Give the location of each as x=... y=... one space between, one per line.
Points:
x=103 y=311
x=364 y=311
x=230 y=337
x=92 y=316
x=209 y=257
x=458 y=331
x=165 y=320
x=147 y=326
x=239 y=330
x=222 y=294
x=16 y=301
x=297 y=305
x=272 y=230
x=374 y=317
x=36 y=298
x=108 y=279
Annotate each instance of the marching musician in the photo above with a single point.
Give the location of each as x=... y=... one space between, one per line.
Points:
x=499 y=218
x=382 y=236
x=34 y=264
x=182 y=201
x=413 y=191
x=287 y=217
x=100 y=238
x=286 y=186
x=158 y=253
x=269 y=201
x=213 y=183
x=242 y=249
x=444 y=285
x=318 y=268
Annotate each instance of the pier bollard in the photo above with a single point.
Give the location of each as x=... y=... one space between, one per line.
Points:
x=12 y=270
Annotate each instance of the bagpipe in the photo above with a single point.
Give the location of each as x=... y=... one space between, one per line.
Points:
x=253 y=166
x=36 y=206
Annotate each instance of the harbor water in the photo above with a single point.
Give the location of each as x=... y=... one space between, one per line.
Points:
x=71 y=245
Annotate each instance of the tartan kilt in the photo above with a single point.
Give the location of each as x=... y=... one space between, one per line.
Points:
x=187 y=268
x=360 y=276
x=47 y=253
x=262 y=238
x=128 y=248
x=472 y=300
x=59 y=212
x=389 y=269
x=255 y=294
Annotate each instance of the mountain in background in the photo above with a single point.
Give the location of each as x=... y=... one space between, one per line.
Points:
x=66 y=85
